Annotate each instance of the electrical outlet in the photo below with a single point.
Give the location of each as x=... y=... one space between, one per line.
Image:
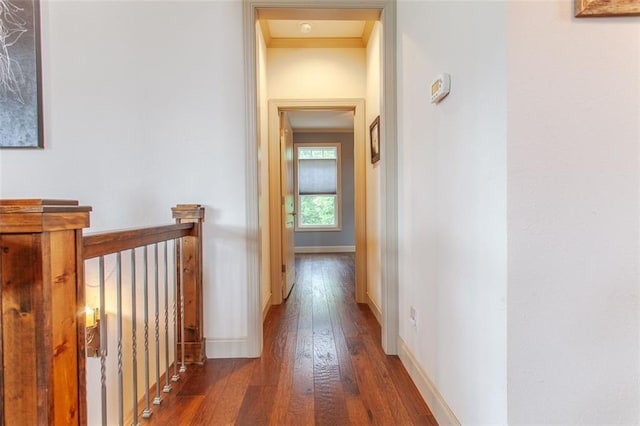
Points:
x=413 y=317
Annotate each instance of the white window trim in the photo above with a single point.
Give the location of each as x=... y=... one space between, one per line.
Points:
x=338 y=225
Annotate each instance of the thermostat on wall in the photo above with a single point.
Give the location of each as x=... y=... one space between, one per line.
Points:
x=440 y=87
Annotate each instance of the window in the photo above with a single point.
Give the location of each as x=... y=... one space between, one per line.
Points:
x=318 y=187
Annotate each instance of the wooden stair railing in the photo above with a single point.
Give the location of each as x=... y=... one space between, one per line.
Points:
x=42 y=326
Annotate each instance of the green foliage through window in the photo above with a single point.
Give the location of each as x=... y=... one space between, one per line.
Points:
x=317 y=153
x=317 y=210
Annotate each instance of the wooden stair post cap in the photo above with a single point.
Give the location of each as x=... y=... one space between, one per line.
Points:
x=30 y=205
x=38 y=215
x=188 y=211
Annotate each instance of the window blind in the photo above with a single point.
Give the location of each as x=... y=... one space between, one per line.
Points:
x=317 y=176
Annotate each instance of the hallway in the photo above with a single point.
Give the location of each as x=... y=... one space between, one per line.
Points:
x=322 y=364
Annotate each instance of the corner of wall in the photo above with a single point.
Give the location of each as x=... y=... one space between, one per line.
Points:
x=373 y=176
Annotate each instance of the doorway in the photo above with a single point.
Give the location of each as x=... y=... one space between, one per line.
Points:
x=384 y=10
x=276 y=107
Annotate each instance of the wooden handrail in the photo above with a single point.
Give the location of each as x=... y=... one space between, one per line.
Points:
x=104 y=243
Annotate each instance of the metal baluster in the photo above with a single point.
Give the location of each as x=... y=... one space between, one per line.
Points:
x=183 y=368
x=119 y=328
x=175 y=376
x=147 y=408
x=103 y=344
x=167 y=386
x=157 y=400
x=134 y=344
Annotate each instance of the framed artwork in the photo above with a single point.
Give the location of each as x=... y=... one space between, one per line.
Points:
x=586 y=8
x=374 y=138
x=20 y=77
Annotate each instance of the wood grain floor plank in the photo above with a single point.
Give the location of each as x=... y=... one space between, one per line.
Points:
x=358 y=413
x=347 y=374
x=282 y=396
x=373 y=397
x=267 y=368
x=181 y=412
x=301 y=405
x=330 y=404
x=217 y=374
x=203 y=378
x=227 y=408
x=256 y=406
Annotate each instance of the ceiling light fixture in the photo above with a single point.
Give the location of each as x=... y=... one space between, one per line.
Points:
x=305 y=27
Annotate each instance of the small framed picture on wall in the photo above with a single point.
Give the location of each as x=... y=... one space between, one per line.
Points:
x=374 y=133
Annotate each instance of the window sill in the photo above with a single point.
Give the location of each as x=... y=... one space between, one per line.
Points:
x=318 y=229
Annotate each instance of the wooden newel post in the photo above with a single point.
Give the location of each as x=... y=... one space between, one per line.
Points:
x=42 y=322
x=190 y=284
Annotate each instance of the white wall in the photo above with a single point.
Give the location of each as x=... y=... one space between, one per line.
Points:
x=263 y=153
x=316 y=73
x=574 y=130
x=452 y=201
x=564 y=189
x=144 y=108
x=372 y=109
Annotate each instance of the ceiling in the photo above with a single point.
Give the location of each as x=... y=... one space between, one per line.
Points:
x=284 y=28
x=288 y=33
x=321 y=120
x=328 y=28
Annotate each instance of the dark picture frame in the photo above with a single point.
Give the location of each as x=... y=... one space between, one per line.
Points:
x=20 y=75
x=374 y=140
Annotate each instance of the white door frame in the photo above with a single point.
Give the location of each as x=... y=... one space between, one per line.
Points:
x=389 y=166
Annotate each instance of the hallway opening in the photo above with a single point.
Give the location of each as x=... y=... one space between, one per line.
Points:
x=381 y=282
x=304 y=113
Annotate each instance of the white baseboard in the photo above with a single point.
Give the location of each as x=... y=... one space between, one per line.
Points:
x=227 y=348
x=427 y=389
x=326 y=249
x=377 y=312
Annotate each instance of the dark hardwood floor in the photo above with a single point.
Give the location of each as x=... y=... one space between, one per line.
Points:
x=322 y=364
